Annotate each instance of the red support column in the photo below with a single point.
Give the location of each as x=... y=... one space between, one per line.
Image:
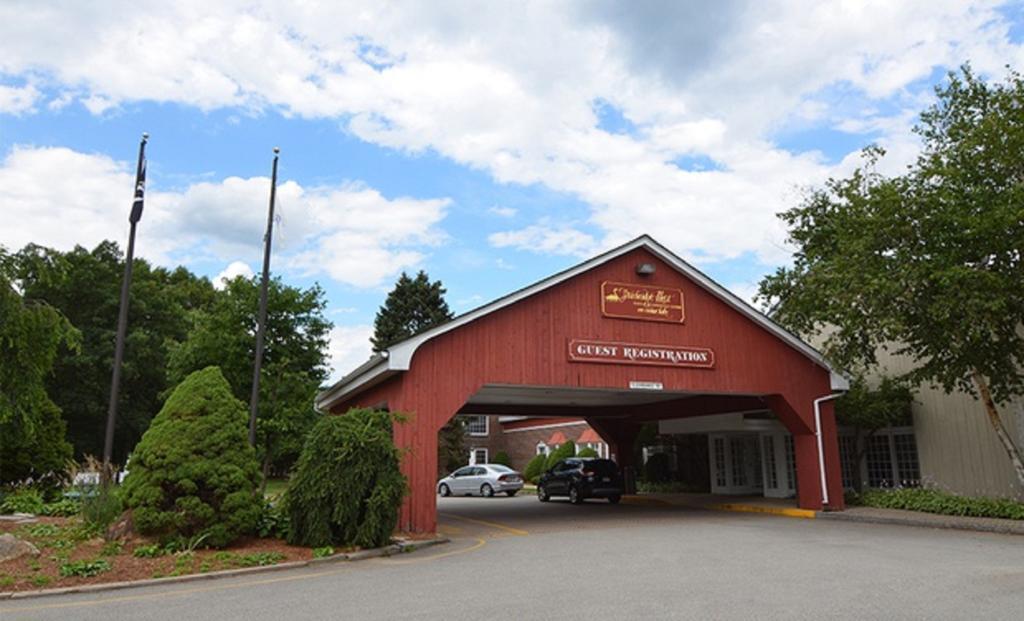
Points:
x=798 y=416
x=417 y=438
x=620 y=438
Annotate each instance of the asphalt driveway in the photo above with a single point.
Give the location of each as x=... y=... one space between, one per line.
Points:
x=516 y=558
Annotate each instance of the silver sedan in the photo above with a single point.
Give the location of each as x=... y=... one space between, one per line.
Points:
x=483 y=479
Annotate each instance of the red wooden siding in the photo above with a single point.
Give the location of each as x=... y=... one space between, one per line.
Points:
x=527 y=344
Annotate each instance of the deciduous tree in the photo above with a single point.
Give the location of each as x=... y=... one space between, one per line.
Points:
x=927 y=264
x=294 y=358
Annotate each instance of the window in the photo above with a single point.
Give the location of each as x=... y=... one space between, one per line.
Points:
x=720 y=462
x=880 y=473
x=476 y=425
x=462 y=472
x=790 y=463
x=542 y=449
x=739 y=471
x=769 y=462
x=848 y=459
x=892 y=459
x=478 y=456
x=908 y=469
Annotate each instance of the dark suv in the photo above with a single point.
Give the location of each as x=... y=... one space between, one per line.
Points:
x=580 y=478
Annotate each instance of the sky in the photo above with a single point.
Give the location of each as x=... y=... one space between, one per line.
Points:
x=489 y=143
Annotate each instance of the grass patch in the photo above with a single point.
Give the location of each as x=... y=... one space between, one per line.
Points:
x=275 y=487
x=938 y=502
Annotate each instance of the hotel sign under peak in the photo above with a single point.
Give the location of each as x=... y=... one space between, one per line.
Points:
x=644 y=302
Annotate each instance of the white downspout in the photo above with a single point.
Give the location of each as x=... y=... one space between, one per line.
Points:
x=821 y=444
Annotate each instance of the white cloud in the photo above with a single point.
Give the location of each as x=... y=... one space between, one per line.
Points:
x=546 y=238
x=504 y=212
x=349 y=348
x=57 y=197
x=18 y=99
x=510 y=91
x=232 y=271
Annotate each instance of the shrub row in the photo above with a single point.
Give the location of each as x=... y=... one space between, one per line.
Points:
x=943 y=503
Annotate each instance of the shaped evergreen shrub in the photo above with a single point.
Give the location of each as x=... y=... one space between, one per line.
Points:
x=535 y=468
x=587 y=452
x=347 y=487
x=566 y=449
x=193 y=474
x=501 y=457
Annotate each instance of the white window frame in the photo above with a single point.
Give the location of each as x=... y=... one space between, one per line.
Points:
x=472 y=456
x=542 y=449
x=487 y=426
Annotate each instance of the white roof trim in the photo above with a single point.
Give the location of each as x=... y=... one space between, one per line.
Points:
x=399 y=356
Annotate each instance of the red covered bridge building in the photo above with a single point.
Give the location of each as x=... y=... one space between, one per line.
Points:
x=630 y=336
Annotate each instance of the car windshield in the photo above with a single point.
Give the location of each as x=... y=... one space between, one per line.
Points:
x=500 y=468
x=603 y=467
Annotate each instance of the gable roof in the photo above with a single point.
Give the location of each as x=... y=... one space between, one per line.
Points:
x=398 y=357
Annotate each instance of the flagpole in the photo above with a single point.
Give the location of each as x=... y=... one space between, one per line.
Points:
x=261 y=325
x=122 y=317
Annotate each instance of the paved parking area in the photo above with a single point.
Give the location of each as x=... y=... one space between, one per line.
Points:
x=516 y=558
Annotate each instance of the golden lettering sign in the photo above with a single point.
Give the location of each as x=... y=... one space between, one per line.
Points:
x=644 y=302
x=581 y=350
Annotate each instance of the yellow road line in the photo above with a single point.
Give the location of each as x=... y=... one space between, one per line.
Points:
x=433 y=557
x=515 y=531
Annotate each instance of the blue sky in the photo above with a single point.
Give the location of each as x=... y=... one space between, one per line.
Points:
x=490 y=148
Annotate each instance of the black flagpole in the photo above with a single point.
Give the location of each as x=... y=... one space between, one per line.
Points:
x=122 y=317
x=261 y=325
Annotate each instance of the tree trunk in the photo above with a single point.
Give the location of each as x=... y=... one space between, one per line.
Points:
x=266 y=468
x=997 y=424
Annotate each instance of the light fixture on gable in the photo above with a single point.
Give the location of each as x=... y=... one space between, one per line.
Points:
x=645 y=269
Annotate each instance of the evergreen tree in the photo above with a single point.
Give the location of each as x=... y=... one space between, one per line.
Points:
x=413 y=306
x=194 y=473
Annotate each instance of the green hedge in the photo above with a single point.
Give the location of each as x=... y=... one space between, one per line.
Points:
x=535 y=468
x=501 y=457
x=587 y=452
x=943 y=503
x=567 y=449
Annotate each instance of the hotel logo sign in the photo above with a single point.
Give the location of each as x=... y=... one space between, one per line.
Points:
x=639 y=353
x=644 y=302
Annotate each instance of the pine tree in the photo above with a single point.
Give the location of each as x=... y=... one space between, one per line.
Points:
x=413 y=306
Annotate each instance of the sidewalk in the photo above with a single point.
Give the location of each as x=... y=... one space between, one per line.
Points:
x=788 y=508
x=927 y=520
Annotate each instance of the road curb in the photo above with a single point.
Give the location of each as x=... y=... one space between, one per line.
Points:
x=938 y=521
x=390 y=550
x=729 y=506
x=806 y=514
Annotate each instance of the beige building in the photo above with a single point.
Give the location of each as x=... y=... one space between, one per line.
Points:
x=956 y=445
x=950 y=446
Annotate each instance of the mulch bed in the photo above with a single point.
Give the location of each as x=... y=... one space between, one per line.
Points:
x=60 y=543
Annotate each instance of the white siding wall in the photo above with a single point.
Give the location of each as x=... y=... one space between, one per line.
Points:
x=957 y=448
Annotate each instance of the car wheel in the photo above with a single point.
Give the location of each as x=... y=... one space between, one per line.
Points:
x=444 y=490
x=486 y=490
x=512 y=493
x=574 y=495
x=542 y=494
x=614 y=499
